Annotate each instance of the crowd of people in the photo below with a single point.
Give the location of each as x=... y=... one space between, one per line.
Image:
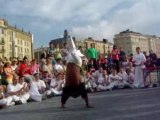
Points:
x=23 y=81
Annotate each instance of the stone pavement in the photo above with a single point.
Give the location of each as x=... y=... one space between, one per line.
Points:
x=138 y=104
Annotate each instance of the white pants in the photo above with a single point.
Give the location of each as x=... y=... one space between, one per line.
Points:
x=112 y=85
x=139 y=79
x=22 y=98
x=6 y=101
x=101 y=87
x=56 y=91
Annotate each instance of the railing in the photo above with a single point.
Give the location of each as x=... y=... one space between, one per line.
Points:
x=153 y=76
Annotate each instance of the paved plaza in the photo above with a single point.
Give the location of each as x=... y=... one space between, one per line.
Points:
x=138 y=104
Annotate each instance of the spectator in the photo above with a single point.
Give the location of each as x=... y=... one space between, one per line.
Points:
x=92 y=54
x=115 y=57
x=18 y=91
x=8 y=72
x=139 y=62
x=114 y=80
x=122 y=54
x=4 y=100
x=34 y=67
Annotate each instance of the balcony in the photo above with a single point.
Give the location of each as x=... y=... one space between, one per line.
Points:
x=2 y=51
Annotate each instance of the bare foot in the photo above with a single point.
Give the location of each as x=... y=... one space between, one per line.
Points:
x=63 y=106
x=89 y=106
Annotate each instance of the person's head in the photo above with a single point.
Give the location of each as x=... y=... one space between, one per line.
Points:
x=121 y=70
x=7 y=64
x=84 y=62
x=14 y=61
x=138 y=50
x=128 y=71
x=21 y=80
x=36 y=76
x=114 y=71
x=33 y=61
x=59 y=61
x=100 y=69
x=48 y=61
x=25 y=60
x=45 y=74
x=15 y=79
x=104 y=72
x=59 y=76
x=114 y=47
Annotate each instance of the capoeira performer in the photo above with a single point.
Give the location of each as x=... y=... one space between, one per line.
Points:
x=138 y=60
x=74 y=86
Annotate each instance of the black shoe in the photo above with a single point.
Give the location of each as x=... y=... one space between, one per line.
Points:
x=18 y=102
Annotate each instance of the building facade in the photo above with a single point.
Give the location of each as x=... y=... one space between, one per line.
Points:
x=129 y=40
x=15 y=42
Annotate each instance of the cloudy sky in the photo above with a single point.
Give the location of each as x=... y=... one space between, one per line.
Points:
x=47 y=19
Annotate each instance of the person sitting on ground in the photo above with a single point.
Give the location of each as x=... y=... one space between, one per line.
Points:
x=99 y=79
x=56 y=84
x=129 y=78
x=18 y=91
x=58 y=66
x=115 y=80
x=4 y=100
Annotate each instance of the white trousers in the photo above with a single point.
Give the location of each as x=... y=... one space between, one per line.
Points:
x=139 y=79
x=56 y=91
x=22 y=98
x=6 y=101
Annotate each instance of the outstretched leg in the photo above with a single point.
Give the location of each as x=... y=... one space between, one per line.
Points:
x=64 y=97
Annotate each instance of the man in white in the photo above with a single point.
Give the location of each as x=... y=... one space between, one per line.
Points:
x=99 y=79
x=17 y=91
x=114 y=80
x=139 y=59
x=58 y=66
x=56 y=84
x=37 y=88
x=5 y=101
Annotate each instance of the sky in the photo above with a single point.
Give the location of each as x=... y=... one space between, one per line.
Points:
x=47 y=19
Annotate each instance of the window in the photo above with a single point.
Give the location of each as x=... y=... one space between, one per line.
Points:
x=10 y=47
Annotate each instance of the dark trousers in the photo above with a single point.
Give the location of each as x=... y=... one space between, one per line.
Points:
x=73 y=91
x=116 y=64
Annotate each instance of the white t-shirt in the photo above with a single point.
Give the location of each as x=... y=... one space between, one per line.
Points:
x=40 y=84
x=13 y=88
x=139 y=58
x=114 y=78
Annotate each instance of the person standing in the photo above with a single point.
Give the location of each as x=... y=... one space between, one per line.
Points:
x=139 y=60
x=92 y=54
x=115 y=57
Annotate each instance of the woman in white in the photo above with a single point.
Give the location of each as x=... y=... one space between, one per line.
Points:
x=139 y=59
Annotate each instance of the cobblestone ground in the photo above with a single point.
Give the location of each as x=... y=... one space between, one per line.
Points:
x=139 y=104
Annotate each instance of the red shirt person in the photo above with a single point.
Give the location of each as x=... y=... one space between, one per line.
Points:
x=24 y=68
x=115 y=57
